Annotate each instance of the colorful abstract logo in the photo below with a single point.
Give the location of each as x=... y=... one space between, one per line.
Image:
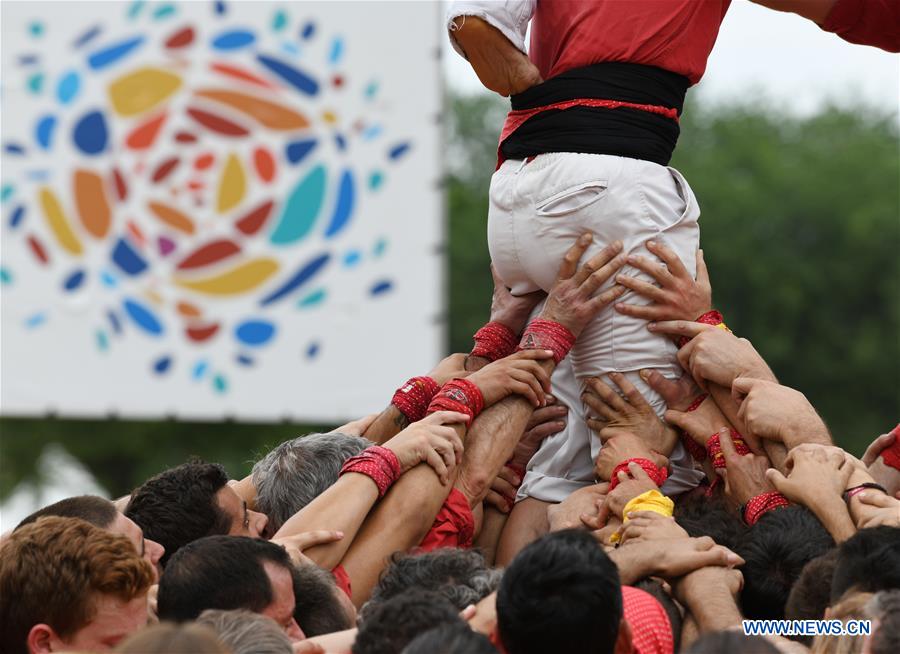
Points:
x=203 y=148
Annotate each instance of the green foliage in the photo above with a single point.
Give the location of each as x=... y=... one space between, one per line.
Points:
x=800 y=229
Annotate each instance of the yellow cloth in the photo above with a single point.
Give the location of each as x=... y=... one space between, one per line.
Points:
x=651 y=500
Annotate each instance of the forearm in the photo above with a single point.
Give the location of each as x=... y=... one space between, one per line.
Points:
x=491 y=528
x=835 y=517
x=714 y=610
x=814 y=10
x=510 y=18
x=388 y=424
x=632 y=566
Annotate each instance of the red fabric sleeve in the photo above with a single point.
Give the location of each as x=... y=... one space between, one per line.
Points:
x=650 y=627
x=342 y=578
x=866 y=22
x=454 y=525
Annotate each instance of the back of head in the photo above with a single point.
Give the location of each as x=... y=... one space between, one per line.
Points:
x=460 y=575
x=884 y=609
x=296 y=472
x=179 y=505
x=733 y=642
x=218 y=572
x=673 y=612
x=55 y=570
x=561 y=593
x=709 y=516
x=778 y=547
x=173 y=639
x=98 y=511
x=396 y=622
x=868 y=561
x=450 y=639
x=854 y=606
x=318 y=610
x=244 y=632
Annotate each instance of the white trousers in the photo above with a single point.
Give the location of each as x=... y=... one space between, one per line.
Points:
x=537 y=211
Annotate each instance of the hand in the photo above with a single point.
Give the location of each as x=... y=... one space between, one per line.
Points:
x=701 y=423
x=544 y=422
x=745 y=476
x=519 y=373
x=678 y=296
x=581 y=504
x=296 y=544
x=693 y=587
x=881 y=510
x=817 y=477
x=500 y=65
x=627 y=489
x=448 y=368
x=672 y=558
x=769 y=410
x=620 y=447
x=356 y=427
x=632 y=413
x=878 y=446
x=649 y=525
x=511 y=310
x=431 y=440
x=679 y=393
x=571 y=301
x=502 y=495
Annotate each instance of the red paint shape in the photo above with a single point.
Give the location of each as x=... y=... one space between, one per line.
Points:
x=164 y=169
x=185 y=137
x=337 y=81
x=143 y=136
x=136 y=234
x=209 y=254
x=264 y=163
x=204 y=161
x=241 y=74
x=181 y=38
x=254 y=221
x=38 y=249
x=196 y=184
x=216 y=123
x=119 y=184
x=200 y=333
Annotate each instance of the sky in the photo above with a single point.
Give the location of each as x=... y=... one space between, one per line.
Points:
x=782 y=58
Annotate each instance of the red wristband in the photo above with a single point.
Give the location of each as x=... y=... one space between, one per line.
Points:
x=378 y=463
x=458 y=395
x=709 y=318
x=714 y=448
x=697 y=451
x=494 y=341
x=890 y=456
x=413 y=397
x=657 y=473
x=762 y=504
x=547 y=335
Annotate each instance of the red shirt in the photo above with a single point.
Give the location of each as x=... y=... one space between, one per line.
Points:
x=868 y=22
x=677 y=35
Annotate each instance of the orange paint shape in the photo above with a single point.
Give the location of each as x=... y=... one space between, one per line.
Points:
x=209 y=254
x=93 y=206
x=204 y=161
x=172 y=217
x=269 y=114
x=241 y=74
x=188 y=310
x=143 y=136
x=58 y=222
x=264 y=164
x=136 y=233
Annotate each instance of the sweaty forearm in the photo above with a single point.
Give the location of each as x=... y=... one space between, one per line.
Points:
x=388 y=424
x=714 y=609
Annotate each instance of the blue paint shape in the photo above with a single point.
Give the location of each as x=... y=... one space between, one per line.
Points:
x=233 y=40
x=398 y=150
x=127 y=258
x=337 y=50
x=143 y=317
x=340 y=142
x=375 y=180
x=352 y=258
x=296 y=78
x=279 y=21
x=290 y=48
x=312 y=351
x=73 y=281
x=108 y=279
x=39 y=175
x=199 y=370
x=15 y=218
x=6 y=277
x=313 y=299
x=6 y=192
x=164 y=12
x=68 y=87
x=302 y=208
x=43 y=131
x=36 y=83
x=306 y=272
x=382 y=287
x=220 y=384
x=371 y=132
x=244 y=360
x=111 y=54
x=254 y=332
x=90 y=133
x=344 y=208
x=380 y=247
x=102 y=341
x=370 y=90
x=35 y=320
x=308 y=30
x=114 y=321
x=87 y=36
x=161 y=365
x=28 y=59
x=298 y=150
x=135 y=9
x=13 y=148
x=220 y=7
x=36 y=29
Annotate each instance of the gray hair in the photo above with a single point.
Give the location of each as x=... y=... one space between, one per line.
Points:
x=296 y=472
x=245 y=632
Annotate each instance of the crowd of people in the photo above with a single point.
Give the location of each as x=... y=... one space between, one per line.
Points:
x=399 y=532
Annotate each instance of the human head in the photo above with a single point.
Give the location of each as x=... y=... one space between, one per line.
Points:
x=701 y=516
x=66 y=584
x=170 y=638
x=229 y=572
x=452 y=638
x=778 y=546
x=884 y=609
x=322 y=607
x=868 y=561
x=673 y=612
x=396 y=622
x=811 y=594
x=102 y=513
x=190 y=501
x=562 y=593
x=733 y=642
x=462 y=576
x=296 y=472
x=245 y=632
x=853 y=606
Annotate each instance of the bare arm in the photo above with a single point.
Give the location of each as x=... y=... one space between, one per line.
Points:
x=814 y=10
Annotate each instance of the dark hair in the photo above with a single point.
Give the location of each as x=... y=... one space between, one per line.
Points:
x=655 y=588
x=95 y=510
x=462 y=576
x=179 y=505
x=733 y=642
x=868 y=561
x=317 y=610
x=218 y=572
x=700 y=516
x=561 y=593
x=779 y=545
x=811 y=594
x=450 y=639
x=396 y=622
x=885 y=608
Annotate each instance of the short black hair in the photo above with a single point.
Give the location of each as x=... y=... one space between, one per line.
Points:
x=811 y=594
x=179 y=505
x=779 y=545
x=451 y=639
x=98 y=511
x=396 y=622
x=218 y=572
x=868 y=561
x=700 y=516
x=561 y=593
x=733 y=642
x=655 y=588
x=317 y=610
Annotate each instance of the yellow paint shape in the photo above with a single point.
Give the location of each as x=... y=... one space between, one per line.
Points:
x=269 y=114
x=172 y=217
x=329 y=117
x=232 y=185
x=58 y=223
x=93 y=207
x=240 y=279
x=142 y=90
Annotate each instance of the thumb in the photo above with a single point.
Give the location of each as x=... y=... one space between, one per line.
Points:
x=667 y=388
x=727 y=444
x=740 y=388
x=778 y=480
x=687 y=422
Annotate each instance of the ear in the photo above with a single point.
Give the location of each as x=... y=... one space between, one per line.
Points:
x=623 y=640
x=42 y=639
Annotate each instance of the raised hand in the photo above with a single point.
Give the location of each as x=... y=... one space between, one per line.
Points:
x=627 y=489
x=519 y=373
x=649 y=525
x=624 y=445
x=571 y=511
x=295 y=544
x=884 y=474
x=431 y=440
x=544 y=422
x=672 y=558
x=881 y=510
x=502 y=495
x=745 y=476
x=769 y=410
x=817 y=477
x=512 y=310
x=679 y=393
